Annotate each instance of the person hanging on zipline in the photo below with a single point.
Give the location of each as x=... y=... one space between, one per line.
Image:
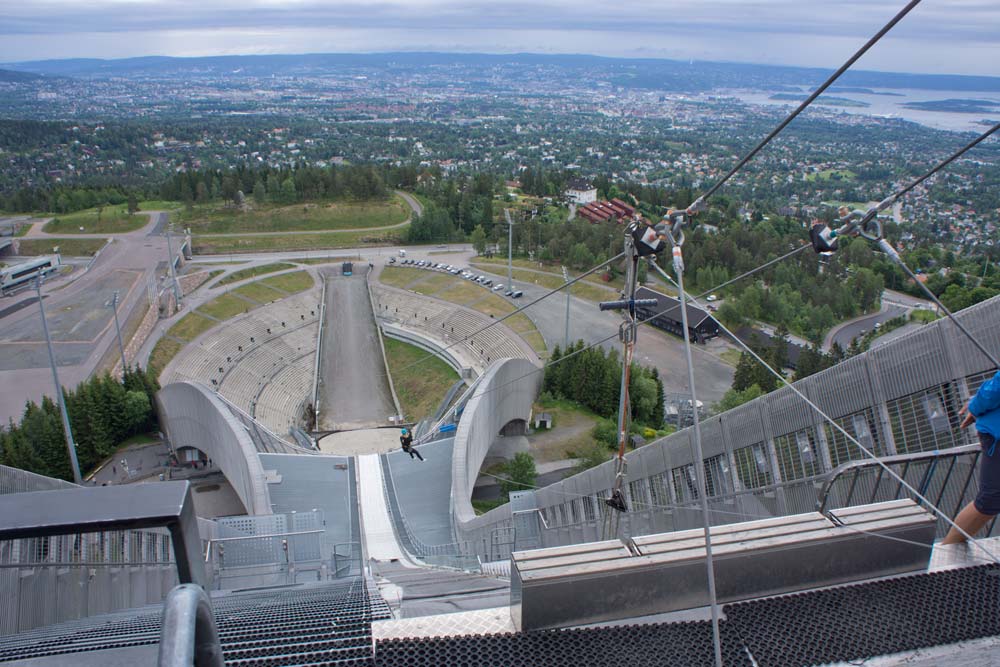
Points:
x=406 y=441
x=984 y=410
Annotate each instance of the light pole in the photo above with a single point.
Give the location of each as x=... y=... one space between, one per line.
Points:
x=173 y=273
x=113 y=304
x=566 y=280
x=70 y=445
x=510 y=246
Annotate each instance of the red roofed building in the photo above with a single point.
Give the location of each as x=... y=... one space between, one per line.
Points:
x=602 y=211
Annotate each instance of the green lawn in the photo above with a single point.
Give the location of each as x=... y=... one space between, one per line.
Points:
x=397 y=276
x=225 y=306
x=832 y=174
x=67 y=247
x=730 y=356
x=165 y=350
x=318 y=216
x=433 y=282
x=290 y=282
x=462 y=292
x=209 y=245
x=191 y=326
x=113 y=220
x=259 y=292
x=421 y=379
x=253 y=271
x=569 y=435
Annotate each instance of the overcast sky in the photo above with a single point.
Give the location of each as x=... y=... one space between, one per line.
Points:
x=940 y=36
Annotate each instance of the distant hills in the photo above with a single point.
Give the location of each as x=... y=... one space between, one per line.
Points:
x=10 y=76
x=626 y=72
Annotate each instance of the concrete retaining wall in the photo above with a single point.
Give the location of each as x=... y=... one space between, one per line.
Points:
x=193 y=416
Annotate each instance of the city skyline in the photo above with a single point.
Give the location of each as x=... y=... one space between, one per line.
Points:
x=956 y=37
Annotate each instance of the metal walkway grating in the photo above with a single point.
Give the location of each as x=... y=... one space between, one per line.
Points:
x=875 y=618
x=666 y=644
x=320 y=625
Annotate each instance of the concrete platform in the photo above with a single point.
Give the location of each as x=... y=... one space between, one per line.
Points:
x=361 y=441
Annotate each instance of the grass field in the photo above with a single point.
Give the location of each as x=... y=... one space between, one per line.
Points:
x=67 y=247
x=420 y=386
x=591 y=288
x=225 y=306
x=290 y=282
x=253 y=271
x=461 y=292
x=113 y=220
x=569 y=435
x=259 y=292
x=832 y=174
x=165 y=350
x=237 y=243
x=397 y=276
x=310 y=217
x=730 y=356
x=191 y=326
x=432 y=283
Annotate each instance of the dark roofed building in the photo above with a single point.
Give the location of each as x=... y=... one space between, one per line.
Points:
x=666 y=315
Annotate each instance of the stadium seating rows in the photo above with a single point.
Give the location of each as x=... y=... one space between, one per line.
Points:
x=261 y=361
x=449 y=323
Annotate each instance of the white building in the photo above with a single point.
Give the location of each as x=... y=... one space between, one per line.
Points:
x=580 y=192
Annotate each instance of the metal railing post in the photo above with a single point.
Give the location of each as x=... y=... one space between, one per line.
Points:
x=189 y=635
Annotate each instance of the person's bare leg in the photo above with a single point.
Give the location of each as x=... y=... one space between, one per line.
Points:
x=970 y=520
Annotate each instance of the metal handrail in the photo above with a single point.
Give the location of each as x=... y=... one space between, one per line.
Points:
x=32 y=564
x=907 y=459
x=423 y=550
x=189 y=635
x=260 y=537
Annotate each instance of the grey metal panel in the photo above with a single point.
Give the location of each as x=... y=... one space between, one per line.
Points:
x=573 y=586
x=981 y=321
x=744 y=426
x=920 y=363
x=318 y=482
x=789 y=413
x=712 y=442
x=844 y=389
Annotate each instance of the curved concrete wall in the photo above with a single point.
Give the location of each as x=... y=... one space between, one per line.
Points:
x=193 y=416
x=505 y=392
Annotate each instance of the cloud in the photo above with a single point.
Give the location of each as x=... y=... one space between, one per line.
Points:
x=807 y=32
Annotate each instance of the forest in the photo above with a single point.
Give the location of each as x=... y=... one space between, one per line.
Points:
x=103 y=413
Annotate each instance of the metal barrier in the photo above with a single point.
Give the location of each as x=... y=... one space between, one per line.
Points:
x=86 y=510
x=87 y=572
x=345 y=565
x=452 y=554
x=188 y=635
x=944 y=477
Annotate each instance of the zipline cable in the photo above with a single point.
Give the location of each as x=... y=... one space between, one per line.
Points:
x=903 y=483
x=517 y=311
x=615 y=335
x=696 y=204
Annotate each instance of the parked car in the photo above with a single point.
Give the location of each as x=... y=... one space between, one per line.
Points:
x=498 y=287
x=392 y=260
x=517 y=294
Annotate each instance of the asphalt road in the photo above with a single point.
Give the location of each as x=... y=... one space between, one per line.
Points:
x=354 y=392
x=851 y=330
x=654 y=347
x=80 y=324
